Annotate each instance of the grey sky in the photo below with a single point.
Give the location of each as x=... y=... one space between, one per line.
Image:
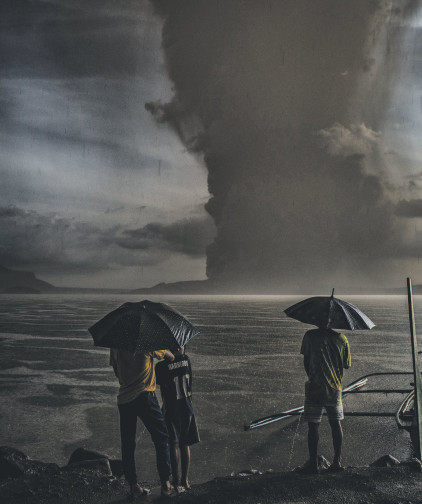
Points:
x=302 y=120
x=84 y=165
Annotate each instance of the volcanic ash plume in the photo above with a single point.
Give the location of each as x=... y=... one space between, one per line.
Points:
x=290 y=144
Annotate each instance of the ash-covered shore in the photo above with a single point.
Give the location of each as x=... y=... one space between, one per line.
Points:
x=90 y=478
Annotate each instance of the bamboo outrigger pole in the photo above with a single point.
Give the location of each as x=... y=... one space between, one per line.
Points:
x=416 y=428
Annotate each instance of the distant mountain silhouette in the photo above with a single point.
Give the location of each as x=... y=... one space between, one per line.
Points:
x=210 y=287
x=187 y=287
x=12 y=281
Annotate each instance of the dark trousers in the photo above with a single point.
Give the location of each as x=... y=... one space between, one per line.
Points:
x=146 y=407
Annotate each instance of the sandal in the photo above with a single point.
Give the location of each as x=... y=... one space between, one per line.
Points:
x=170 y=493
x=139 y=493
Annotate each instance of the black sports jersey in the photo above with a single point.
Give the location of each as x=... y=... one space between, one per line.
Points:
x=175 y=381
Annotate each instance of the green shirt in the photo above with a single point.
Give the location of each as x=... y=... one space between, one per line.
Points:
x=326 y=354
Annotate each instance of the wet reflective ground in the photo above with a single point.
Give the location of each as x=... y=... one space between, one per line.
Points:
x=57 y=391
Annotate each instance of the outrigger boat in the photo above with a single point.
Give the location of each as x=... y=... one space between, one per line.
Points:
x=409 y=414
x=261 y=422
x=404 y=414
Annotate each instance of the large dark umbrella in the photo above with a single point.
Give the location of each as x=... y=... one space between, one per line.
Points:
x=330 y=312
x=143 y=327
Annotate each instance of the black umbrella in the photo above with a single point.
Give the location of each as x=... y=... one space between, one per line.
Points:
x=328 y=311
x=143 y=327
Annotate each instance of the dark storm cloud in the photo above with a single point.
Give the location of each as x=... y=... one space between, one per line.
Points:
x=12 y=211
x=72 y=39
x=284 y=137
x=27 y=238
x=84 y=64
x=189 y=236
x=412 y=208
x=30 y=239
x=78 y=146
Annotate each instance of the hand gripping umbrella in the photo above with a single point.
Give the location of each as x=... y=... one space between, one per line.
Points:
x=329 y=312
x=143 y=327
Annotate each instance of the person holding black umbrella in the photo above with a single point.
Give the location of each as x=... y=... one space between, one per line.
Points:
x=135 y=333
x=326 y=354
x=136 y=398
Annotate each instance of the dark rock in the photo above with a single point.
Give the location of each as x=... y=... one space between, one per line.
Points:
x=385 y=461
x=14 y=463
x=11 y=462
x=35 y=468
x=100 y=467
x=414 y=464
x=81 y=454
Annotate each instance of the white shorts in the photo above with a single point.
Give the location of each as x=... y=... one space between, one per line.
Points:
x=313 y=412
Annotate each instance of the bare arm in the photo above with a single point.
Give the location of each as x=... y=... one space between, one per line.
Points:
x=169 y=356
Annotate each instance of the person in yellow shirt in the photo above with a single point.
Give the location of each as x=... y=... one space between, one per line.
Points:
x=326 y=353
x=136 y=398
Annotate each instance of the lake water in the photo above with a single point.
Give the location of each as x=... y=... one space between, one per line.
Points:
x=58 y=391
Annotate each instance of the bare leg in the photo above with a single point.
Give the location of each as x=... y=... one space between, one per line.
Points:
x=313 y=438
x=185 y=460
x=337 y=434
x=174 y=456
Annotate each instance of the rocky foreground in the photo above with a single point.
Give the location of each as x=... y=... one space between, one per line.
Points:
x=91 y=477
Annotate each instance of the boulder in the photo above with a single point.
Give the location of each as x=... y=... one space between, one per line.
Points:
x=14 y=463
x=385 y=461
x=11 y=462
x=414 y=463
x=99 y=467
x=81 y=455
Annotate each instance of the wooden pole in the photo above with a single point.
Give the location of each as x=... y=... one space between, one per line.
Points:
x=417 y=416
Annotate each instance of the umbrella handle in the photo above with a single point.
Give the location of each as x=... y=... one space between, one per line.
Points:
x=331 y=309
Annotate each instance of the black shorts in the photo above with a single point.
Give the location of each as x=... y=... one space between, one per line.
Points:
x=182 y=428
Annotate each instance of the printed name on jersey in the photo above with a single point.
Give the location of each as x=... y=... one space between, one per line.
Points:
x=176 y=365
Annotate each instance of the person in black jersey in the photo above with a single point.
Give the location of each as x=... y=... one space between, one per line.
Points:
x=175 y=381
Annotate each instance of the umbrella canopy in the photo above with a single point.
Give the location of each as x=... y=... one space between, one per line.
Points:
x=143 y=327
x=330 y=312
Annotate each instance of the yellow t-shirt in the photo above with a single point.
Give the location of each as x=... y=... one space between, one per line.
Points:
x=328 y=354
x=136 y=373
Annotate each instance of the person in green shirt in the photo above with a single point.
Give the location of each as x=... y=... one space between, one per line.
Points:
x=326 y=354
